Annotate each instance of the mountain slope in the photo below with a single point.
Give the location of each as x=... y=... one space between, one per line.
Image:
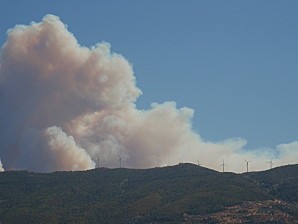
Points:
x=281 y=182
x=162 y=195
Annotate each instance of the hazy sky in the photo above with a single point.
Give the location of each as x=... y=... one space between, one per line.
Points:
x=234 y=62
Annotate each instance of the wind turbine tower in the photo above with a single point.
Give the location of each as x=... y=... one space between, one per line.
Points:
x=120 y=165
x=199 y=164
x=271 y=163
x=97 y=164
x=247 y=165
x=223 y=165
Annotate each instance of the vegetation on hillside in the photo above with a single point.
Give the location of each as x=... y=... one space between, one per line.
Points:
x=163 y=195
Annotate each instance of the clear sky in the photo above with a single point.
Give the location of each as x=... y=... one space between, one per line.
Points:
x=234 y=62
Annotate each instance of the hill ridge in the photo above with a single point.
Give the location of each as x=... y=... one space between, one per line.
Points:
x=123 y=195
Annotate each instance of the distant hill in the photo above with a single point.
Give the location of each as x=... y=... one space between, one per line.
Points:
x=184 y=193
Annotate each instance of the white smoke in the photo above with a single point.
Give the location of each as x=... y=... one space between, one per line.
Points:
x=64 y=106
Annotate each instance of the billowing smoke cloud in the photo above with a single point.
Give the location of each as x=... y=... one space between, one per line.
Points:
x=64 y=107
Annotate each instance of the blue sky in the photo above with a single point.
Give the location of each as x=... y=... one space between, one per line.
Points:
x=233 y=62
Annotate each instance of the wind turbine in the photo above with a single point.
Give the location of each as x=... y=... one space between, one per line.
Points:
x=120 y=161
x=223 y=165
x=97 y=165
x=247 y=165
x=271 y=163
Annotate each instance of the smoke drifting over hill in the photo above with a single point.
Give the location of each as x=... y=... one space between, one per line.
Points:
x=63 y=106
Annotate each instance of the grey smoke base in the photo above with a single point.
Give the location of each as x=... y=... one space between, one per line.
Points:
x=63 y=106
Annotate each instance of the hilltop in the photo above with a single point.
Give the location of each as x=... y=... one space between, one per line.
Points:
x=184 y=193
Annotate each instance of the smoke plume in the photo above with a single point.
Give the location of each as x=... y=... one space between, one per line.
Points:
x=66 y=107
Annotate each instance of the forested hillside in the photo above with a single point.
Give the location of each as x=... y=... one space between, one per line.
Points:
x=175 y=194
